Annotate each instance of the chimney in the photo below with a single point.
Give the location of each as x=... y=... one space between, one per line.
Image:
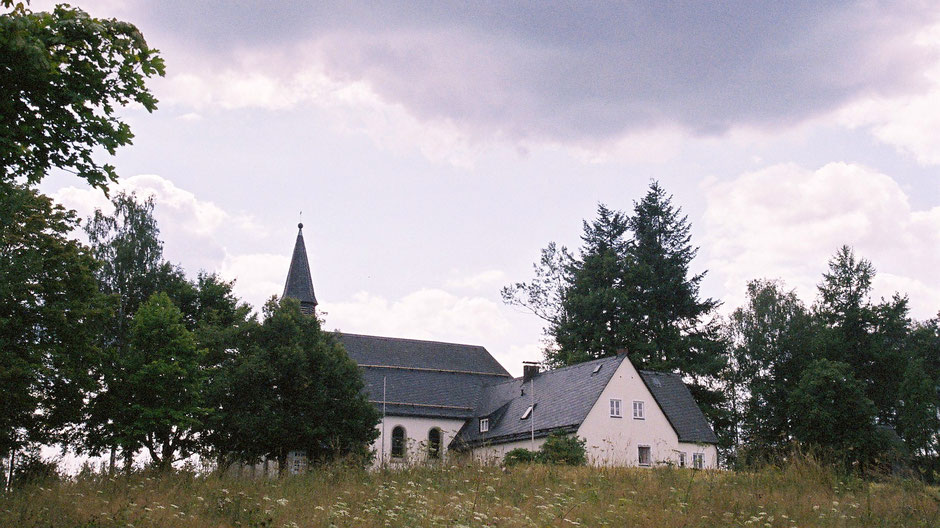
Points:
x=529 y=370
x=621 y=351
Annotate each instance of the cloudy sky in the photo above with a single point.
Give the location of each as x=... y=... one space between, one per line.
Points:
x=435 y=147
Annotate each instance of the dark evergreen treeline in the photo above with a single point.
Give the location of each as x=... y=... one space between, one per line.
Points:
x=855 y=379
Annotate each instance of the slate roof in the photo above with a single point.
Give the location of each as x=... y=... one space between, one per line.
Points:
x=299 y=285
x=422 y=378
x=417 y=354
x=563 y=399
x=679 y=406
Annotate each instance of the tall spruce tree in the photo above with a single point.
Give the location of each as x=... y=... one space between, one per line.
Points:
x=628 y=288
x=596 y=296
x=674 y=327
x=871 y=338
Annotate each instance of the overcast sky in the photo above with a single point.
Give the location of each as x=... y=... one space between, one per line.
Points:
x=435 y=147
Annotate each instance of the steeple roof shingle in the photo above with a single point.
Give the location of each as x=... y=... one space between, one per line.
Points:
x=299 y=285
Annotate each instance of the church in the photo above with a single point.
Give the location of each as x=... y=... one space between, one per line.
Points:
x=445 y=399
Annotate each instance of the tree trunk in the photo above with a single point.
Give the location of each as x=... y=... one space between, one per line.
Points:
x=10 y=477
x=112 y=460
x=128 y=460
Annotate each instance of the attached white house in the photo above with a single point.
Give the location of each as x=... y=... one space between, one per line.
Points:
x=438 y=399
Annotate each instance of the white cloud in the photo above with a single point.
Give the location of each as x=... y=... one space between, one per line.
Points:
x=786 y=222
x=257 y=276
x=194 y=232
x=909 y=122
x=423 y=314
x=173 y=205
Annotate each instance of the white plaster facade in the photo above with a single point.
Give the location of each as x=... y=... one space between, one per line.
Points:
x=616 y=441
x=417 y=431
x=613 y=441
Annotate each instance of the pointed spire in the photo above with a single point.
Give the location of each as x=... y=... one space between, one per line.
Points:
x=299 y=285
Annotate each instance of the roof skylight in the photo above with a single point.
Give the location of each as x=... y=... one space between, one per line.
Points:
x=527 y=413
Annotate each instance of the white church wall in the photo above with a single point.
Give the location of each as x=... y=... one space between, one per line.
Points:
x=417 y=430
x=616 y=441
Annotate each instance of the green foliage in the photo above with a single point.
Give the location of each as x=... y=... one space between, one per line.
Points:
x=628 y=288
x=771 y=341
x=918 y=413
x=162 y=381
x=62 y=76
x=872 y=338
x=563 y=449
x=558 y=448
x=831 y=411
x=291 y=386
x=520 y=455
x=50 y=314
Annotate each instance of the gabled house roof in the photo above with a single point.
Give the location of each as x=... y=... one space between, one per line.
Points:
x=563 y=399
x=299 y=285
x=422 y=378
x=418 y=354
x=679 y=406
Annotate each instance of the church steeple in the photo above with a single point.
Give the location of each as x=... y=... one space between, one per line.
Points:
x=299 y=285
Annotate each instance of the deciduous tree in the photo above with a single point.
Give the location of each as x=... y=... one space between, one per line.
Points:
x=292 y=387
x=50 y=314
x=63 y=74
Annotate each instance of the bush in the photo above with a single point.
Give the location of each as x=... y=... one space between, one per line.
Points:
x=520 y=455
x=563 y=449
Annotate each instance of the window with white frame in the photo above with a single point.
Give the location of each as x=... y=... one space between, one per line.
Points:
x=698 y=460
x=681 y=459
x=484 y=425
x=615 y=408
x=638 y=411
x=645 y=455
x=527 y=413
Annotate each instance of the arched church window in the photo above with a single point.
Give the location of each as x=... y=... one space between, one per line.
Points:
x=434 y=443
x=398 y=442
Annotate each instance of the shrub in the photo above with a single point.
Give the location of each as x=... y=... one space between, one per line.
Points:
x=563 y=449
x=520 y=455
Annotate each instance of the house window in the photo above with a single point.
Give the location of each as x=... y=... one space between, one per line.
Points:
x=398 y=442
x=638 y=410
x=681 y=459
x=645 y=456
x=527 y=413
x=698 y=460
x=484 y=425
x=298 y=462
x=615 y=408
x=434 y=443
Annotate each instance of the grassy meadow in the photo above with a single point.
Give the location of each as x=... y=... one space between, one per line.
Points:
x=803 y=494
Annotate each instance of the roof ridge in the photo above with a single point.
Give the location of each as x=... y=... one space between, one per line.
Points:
x=661 y=373
x=425 y=369
x=583 y=363
x=408 y=339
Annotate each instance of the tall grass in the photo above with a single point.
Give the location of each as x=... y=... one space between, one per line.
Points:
x=801 y=494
